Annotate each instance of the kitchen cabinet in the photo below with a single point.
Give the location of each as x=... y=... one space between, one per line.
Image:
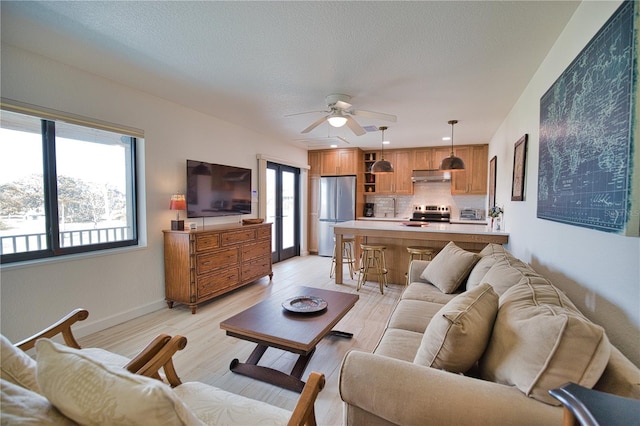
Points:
x=314 y=159
x=398 y=182
x=314 y=215
x=342 y=161
x=473 y=179
x=202 y=264
x=429 y=158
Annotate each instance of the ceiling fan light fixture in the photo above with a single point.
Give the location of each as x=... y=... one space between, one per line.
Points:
x=452 y=163
x=382 y=166
x=337 y=120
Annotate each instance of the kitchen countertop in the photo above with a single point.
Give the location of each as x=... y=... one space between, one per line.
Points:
x=396 y=225
x=406 y=219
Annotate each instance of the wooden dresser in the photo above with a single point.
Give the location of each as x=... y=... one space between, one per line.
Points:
x=202 y=264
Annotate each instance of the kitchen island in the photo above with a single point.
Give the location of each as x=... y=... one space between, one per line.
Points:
x=397 y=236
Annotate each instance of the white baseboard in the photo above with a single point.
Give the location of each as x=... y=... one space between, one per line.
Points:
x=88 y=327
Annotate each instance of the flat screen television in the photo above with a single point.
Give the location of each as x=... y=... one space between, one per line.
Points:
x=217 y=190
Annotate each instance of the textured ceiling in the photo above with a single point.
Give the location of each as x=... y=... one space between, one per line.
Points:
x=252 y=63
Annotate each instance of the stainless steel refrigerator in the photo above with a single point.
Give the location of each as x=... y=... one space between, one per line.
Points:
x=337 y=204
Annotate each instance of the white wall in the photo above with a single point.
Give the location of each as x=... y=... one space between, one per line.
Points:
x=599 y=271
x=125 y=283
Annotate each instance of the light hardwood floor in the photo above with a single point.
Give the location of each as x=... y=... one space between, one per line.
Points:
x=209 y=350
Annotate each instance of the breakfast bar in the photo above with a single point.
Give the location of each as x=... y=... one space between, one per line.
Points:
x=397 y=236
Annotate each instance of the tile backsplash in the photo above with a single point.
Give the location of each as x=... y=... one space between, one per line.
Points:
x=434 y=193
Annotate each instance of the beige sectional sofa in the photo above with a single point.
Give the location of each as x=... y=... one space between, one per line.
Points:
x=479 y=339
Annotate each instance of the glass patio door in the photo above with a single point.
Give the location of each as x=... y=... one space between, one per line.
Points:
x=283 y=210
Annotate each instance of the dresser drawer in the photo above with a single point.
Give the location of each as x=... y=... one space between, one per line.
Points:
x=216 y=260
x=251 y=251
x=256 y=268
x=264 y=232
x=235 y=237
x=207 y=241
x=213 y=283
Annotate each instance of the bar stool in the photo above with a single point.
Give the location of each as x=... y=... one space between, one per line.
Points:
x=372 y=262
x=347 y=255
x=417 y=253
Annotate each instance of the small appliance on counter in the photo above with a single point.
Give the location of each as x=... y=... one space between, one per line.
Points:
x=368 y=209
x=472 y=214
x=426 y=213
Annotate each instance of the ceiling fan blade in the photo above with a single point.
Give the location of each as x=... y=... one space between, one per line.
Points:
x=376 y=115
x=343 y=139
x=354 y=126
x=307 y=112
x=315 y=124
x=342 y=105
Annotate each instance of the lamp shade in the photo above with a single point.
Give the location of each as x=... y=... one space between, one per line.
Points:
x=337 y=120
x=178 y=202
x=382 y=166
x=452 y=164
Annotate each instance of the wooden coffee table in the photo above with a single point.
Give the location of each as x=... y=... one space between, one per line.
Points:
x=269 y=325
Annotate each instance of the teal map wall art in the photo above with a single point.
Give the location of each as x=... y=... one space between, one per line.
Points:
x=588 y=170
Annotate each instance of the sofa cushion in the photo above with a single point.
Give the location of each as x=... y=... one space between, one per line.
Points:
x=399 y=344
x=541 y=341
x=413 y=315
x=93 y=393
x=215 y=406
x=426 y=293
x=16 y=366
x=20 y=406
x=450 y=267
x=458 y=334
x=506 y=272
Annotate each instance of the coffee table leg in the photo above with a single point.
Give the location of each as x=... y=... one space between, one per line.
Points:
x=287 y=381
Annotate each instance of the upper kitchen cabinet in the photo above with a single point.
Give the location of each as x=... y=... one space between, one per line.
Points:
x=473 y=179
x=314 y=163
x=343 y=161
x=398 y=182
x=429 y=158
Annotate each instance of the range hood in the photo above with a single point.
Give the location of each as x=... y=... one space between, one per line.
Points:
x=430 y=176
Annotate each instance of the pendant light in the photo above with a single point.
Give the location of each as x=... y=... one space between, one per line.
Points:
x=382 y=165
x=452 y=163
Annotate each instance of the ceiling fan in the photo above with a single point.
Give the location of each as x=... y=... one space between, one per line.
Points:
x=340 y=112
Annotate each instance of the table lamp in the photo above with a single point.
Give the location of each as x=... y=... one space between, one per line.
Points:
x=178 y=203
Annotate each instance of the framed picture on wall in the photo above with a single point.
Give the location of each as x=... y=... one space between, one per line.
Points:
x=492 y=181
x=519 y=162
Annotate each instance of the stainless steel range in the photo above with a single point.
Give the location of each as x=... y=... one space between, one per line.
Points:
x=427 y=213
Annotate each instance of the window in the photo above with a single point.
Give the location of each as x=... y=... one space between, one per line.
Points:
x=64 y=188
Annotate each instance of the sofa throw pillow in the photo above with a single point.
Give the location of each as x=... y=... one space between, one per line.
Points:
x=449 y=268
x=20 y=406
x=92 y=393
x=16 y=366
x=459 y=332
x=541 y=341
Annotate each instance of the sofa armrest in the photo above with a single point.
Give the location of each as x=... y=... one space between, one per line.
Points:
x=416 y=267
x=404 y=393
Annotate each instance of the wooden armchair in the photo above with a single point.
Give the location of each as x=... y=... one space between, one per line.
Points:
x=158 y=355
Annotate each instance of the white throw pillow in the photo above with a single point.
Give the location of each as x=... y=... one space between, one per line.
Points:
x=92 y=393
x=449 y=268
x=459 y=332
x=16 y=366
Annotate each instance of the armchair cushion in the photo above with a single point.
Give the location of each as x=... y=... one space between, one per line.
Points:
x=16 y=366
x=20 y=406
x=450 y=267
x=458 y=334
x=215 y=406
x=92 y=393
